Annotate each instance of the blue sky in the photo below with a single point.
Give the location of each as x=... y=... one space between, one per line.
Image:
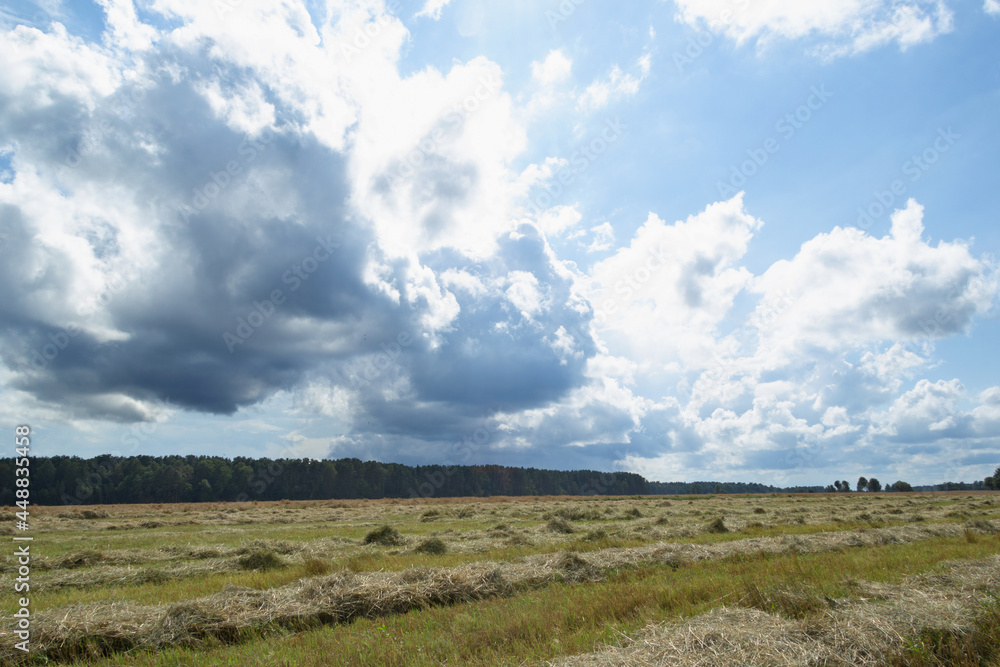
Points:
x=696 y=239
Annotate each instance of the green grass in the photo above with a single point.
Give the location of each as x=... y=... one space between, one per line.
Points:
x=566 y=619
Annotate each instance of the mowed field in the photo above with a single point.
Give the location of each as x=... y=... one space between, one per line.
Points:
x=867 y=579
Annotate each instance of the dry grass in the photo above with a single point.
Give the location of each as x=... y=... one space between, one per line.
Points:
x=238 y=613
x=941 y=619
x=179 y=557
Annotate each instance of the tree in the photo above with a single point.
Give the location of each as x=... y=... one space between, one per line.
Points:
x=901 y=486
x=829 y=488
x=862 y=484
x=845 y=486
x=836 y=484
x=874 y=486
x=989 y=482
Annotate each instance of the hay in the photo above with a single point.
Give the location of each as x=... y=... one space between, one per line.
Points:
x=878 y=627
x=560 y=525
x=130 y=626
x=387 y=536
x=316 y=566
x=717 y=526
x=80 y=559
x=434 y=546
x=261 y=560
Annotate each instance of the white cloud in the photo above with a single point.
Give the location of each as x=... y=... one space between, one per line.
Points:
x=840 y=26
x=619 y=84
x=432 y=9
x=604 y=237
x=664 y=295
x=556 y=220
x=554 y=69
x=846 y=289
x=992 y=7
x=524 y=293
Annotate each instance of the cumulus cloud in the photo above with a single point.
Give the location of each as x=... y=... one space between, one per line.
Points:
x=666 y=293
x=203 y=216
x=992 y=7
x=840 y=28
x=845 y=289
x=240 y=212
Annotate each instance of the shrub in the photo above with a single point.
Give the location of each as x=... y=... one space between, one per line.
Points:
x=387 y=536
x=759 y=510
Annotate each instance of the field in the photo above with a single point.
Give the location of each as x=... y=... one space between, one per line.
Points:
x=788 y=579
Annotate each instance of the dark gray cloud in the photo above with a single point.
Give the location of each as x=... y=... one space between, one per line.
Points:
x=239 y=219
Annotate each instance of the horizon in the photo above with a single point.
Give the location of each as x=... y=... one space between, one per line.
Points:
x=690 y=239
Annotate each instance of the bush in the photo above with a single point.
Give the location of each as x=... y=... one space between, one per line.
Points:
x=261 y=560
x=433 y=546
x=759 y=510
x=387 y=536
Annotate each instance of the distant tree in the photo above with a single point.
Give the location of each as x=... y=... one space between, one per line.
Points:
x=902 y=486
x=862 y=484
x=845 y=486
x=874 y=486
x=829 y=488
x=836 y=484
x=989 y=482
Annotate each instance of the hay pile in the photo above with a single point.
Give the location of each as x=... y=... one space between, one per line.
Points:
x=871 y=629
x=236 y=613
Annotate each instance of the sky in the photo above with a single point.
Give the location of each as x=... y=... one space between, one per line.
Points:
x=741 y=240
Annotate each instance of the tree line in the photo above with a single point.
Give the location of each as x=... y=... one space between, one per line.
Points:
x=874 y=486
x=62 y=480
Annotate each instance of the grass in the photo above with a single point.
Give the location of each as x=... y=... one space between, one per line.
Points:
x=172 y=554
x=569 y=618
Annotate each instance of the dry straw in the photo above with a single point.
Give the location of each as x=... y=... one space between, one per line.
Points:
x=235 y=613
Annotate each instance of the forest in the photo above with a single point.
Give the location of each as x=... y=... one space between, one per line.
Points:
x=62 y=480
x=71 y=480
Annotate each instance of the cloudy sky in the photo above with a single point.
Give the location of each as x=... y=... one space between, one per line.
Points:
x=748 y=240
